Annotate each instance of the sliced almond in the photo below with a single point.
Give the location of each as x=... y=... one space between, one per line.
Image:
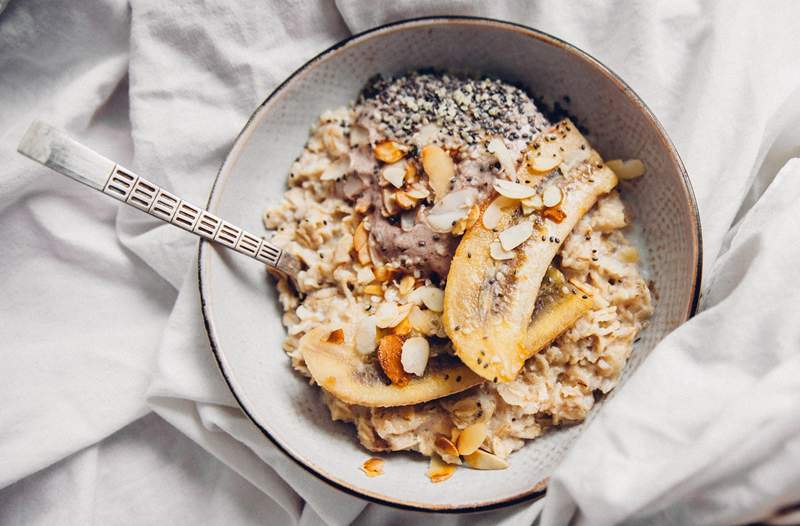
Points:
x=480 y=459
x=513 y=190
x=472 y=437
x=439 y=470
x=444 y=222
x=360 y=236
x=336 y=336
x=404 y=200
x=411 y=172
x=364 y=275
x=504 y=156
x=440 y=169
x=497 y=252
x=359 y=136
x=406 y=284
x=366 y=335
x=395 y=173
x=551 y=196
x=372 y=467
x=535 y=202
x=445 y=447
x=389 y=151
x=382 y=273
x=415 y=355
x=363 y=255
x=514 y=236
x=544 y=159
x=454 y=434
x=493 y=212
x=627 y=170
x=386 y=315
x=432 y=297
x=390 y=350
x=373 y=290
x=417 y=191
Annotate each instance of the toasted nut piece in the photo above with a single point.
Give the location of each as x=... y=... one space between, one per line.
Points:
x=514 y=236
x=551 y=196
x=440 y=169
x=382 y=273
x=432 y=297
x=390 y=351
x=415 y=355
x=363 y=255
x=366 y=335
x=439 y=471
x=491 y=216
x=411 y=172
x=504 y=156
x=364 y=275
x=360 y=236
x=497 y=252
x=445 y=447
x=404 y=200
x=372 y=467
x=513 y=190
x=403 y=328
x=406 y=284
x=454 y=433
x=336 y=336
x=389 y=151
x=555 y=213
x=627 y=170
x=417 y=191
x=389 y=315
x=395 y=173
x=480 y=459
x=546 y=156
x=373 y=290
x=472 y=437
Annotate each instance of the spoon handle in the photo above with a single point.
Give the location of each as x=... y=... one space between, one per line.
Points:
x=56 y=150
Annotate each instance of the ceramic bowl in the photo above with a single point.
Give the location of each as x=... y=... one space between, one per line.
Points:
x=239 y=302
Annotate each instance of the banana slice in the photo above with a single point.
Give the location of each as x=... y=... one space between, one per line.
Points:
x=339 y=370
x=558 y=307
x=488 y=302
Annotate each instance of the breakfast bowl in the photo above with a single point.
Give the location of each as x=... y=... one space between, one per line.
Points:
x=240 y=306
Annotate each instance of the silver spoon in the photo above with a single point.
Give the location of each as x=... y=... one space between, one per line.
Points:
x=56 y=150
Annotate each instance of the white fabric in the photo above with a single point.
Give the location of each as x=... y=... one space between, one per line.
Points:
x=99 y=311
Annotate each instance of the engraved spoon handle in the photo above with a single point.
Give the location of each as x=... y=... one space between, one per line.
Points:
x=56 y=150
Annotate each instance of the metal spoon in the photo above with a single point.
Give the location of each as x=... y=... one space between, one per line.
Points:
x=56 y=150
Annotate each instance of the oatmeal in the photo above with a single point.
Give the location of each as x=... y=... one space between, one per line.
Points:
x=396 y=206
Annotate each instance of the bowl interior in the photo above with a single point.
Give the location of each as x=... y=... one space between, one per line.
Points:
x=243 y=316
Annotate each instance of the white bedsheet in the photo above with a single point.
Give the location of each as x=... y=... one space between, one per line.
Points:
x=105 y=366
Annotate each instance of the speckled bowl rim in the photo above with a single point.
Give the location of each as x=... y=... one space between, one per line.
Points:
x=538 y=489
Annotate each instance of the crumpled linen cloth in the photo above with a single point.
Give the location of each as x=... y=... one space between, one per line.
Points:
x=112 y=410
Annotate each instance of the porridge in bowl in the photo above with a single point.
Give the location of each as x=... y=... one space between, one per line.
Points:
x=467 y=283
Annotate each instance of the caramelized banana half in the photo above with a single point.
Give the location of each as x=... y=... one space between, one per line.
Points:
x=338 y=368
x=489 y=301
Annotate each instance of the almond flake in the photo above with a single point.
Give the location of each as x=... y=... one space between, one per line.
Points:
x=514 y=236
x=627 y=170
x=472 y=437
x=406 y=284
x=551 y=196
x=415 y=355
x=482 y=460
x=359 y=136
x=498 y=148
x=534 y=202
x=440 y=169
x=544 y=159
x=439 y=471
x=445 y=447
x=395 y=173
x=513 y=190
x=404 y=200
x=432 y=297
x=373 y=290
x=418 y=192
x=372 y=467
x=360 y=236
x=364 y=275
x=366 y=335
x=389 y=151
x=336 y=170
x=497 y=252
x=424 y=322
x=493 y=212
x=387 y=314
